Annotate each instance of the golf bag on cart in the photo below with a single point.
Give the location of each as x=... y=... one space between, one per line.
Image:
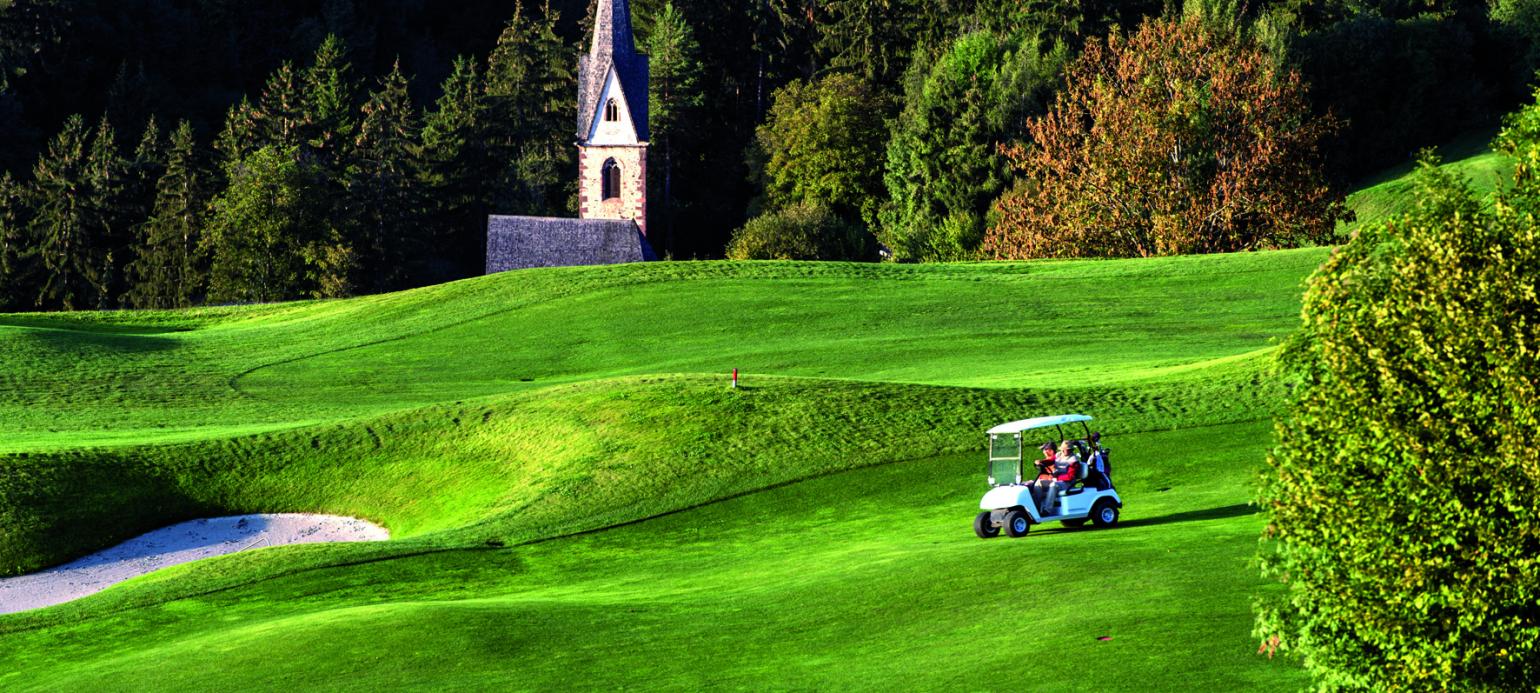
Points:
x=1099 y=470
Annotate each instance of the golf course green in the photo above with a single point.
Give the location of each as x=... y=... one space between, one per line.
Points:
x=577 y=498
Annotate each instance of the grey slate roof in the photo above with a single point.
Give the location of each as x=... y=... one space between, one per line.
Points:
x=612 y=45
x=524 y=242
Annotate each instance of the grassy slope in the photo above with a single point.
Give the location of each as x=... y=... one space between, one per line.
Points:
x=93 y=380
x=1389 y=193
x=524 y=407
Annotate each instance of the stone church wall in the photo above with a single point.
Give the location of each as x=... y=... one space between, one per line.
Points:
x=632 y=202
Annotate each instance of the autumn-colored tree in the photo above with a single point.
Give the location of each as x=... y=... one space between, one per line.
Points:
x=1173 y=140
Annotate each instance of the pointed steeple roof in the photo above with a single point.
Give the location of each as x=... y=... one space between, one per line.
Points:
x=613 y=49
x=612 y=29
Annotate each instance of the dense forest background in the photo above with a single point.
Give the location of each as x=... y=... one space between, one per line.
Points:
x=155 y=150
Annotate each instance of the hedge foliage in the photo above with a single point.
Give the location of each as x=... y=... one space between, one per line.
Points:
x=801 y=232
x=1401 y=496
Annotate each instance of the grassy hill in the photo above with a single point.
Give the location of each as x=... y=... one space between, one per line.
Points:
x=577 y=499
x=1390 y=192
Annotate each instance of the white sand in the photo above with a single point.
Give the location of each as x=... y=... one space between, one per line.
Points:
x=181 y=543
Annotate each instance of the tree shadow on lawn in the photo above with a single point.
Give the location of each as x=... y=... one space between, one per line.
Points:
x=74 y=341
x=1220 y=513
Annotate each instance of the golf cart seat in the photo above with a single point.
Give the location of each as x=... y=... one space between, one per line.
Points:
x=1080 y=483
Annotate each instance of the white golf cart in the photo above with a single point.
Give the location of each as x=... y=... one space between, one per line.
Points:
x=1009 y=502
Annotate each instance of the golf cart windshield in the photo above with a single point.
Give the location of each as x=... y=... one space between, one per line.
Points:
x=1004 y=458
x=1005 y=454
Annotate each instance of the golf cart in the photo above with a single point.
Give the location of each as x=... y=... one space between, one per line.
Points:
x=1009 y=503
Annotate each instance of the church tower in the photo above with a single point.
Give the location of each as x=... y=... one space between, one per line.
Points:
x=612 y=121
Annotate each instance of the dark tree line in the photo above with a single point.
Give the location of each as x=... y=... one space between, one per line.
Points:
x=322 y=185
x=371 y=137
x=1391 y=77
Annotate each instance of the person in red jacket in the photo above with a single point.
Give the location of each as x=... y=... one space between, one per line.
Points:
x=1066 y=470
x=1045 y=470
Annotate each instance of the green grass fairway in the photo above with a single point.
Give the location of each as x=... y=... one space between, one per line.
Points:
x=1389 y=193
x=578 y=500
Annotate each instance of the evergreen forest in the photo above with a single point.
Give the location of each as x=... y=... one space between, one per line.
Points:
x=169 y=153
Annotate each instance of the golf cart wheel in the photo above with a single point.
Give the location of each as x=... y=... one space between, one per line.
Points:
x=984 y=528
x=1075 y=524
x=1017 y=524
x=1104 y=514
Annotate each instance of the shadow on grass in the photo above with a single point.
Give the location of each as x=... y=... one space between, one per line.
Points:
x=76 y=341
x=1221 y=513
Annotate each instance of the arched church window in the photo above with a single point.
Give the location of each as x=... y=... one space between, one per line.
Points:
x=611 y=111
x=611 y=183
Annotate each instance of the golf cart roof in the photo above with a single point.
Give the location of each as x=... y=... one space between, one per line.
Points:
x=1039 y=422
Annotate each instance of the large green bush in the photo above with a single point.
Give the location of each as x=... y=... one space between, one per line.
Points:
x=821 y=144
x=1403 y=519
x=801 y=232
x=944 y=166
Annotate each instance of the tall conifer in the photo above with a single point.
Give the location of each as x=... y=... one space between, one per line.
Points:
x=241 y=135
x=68 y=253
x=529 y=87
x=457 y=169
x=383 y=186
x=168 y=270
x=675 y=96
x=280 y=112
x=15 y=248
x=108 y=223
x=328 y=95
x=135 y=200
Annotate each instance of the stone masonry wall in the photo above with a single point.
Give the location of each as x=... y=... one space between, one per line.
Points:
x=632 y=203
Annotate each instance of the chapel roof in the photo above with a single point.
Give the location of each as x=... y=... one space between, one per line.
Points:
x=613 y=47
x=516 y=242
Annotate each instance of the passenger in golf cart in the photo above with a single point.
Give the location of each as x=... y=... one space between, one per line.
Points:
x=1066 y=470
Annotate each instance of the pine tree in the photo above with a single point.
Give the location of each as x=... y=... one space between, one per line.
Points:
x=675 y=96
x=944 y=166
x=328 y=102
x=383 y=185
x=108 y=221
x=280 y=112
x=871 y=37
x=15 y=251
x=529 y=86
x=134 y=202
x=146 y=167
x=168 y=270
x=65 y=225
x=241 y=134
x=457 y=169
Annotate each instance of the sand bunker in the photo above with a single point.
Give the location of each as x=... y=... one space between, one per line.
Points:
x=181 y=543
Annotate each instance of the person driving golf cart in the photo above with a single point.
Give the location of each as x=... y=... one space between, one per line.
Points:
x=1044 y=475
